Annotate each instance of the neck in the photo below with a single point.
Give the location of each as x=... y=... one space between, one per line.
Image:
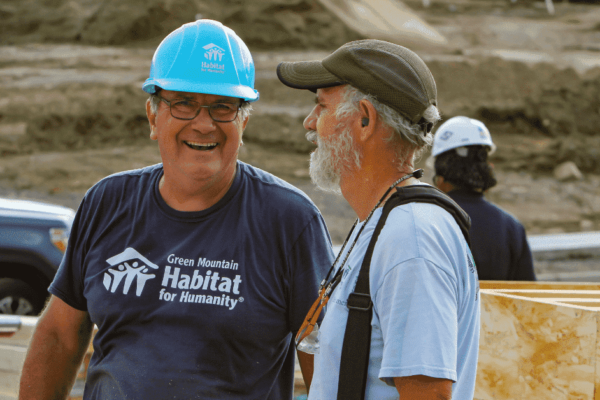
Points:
x=185 y=195
x=363 y=189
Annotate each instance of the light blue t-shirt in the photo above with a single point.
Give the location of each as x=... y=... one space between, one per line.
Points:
x=425 y=294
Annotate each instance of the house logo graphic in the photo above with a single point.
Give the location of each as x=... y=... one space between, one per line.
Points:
x=128 y=266
x=213 y=52
x=482 y=134
x=446 y=135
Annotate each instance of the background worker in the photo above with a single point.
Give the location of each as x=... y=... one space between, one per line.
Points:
x=461 y=147
x=198 y=270
x=375 y=107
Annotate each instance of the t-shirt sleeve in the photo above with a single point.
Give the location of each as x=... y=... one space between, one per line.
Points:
x=68 y=281
x=309 y=260
x=416 y=304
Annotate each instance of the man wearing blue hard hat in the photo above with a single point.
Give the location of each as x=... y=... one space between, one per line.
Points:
x=196 y=271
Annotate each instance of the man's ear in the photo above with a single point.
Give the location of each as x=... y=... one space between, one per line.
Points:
x=244 y=123
x=442 y=184
x=367 y=119
x=151 y=120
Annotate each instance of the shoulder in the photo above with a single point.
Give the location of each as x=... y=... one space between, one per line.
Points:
x=124 y=184
x=422 y=231
x=483 y=211
x=506 y=217
x=275 y=193
x=423 y=223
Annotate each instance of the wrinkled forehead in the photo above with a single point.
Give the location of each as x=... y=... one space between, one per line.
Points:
x=333 y=94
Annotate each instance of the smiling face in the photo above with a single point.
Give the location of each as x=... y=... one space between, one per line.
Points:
x=199 y=151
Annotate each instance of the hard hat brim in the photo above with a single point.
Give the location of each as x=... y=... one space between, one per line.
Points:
x=491 y=148
x=218 y=89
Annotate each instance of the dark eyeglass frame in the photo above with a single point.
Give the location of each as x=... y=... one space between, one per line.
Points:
x=210 y=107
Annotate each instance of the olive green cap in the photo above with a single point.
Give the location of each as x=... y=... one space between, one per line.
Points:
x=395 y=75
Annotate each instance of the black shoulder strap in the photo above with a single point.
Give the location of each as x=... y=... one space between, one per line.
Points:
x=357 y=338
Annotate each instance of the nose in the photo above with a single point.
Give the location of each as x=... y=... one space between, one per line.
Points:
x=203 y=122
x=310 y=122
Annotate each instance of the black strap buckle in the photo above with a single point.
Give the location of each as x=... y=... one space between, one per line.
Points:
x=359 y=301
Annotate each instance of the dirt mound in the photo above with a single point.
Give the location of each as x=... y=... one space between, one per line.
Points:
x=558 y=107
x=261 y=24
x=556 y=112
x=540 y=98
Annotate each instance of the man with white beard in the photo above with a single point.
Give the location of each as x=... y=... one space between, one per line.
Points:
x=402 y=300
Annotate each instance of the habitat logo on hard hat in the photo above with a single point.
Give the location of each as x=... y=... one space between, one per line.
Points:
x=213 y=53
x=482 y=133
x=446 y=135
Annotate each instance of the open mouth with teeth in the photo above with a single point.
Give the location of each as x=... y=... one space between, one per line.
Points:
x=201 y=146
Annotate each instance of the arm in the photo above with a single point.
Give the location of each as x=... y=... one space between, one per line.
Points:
x=523 y=262
x=415 y=345
x=55 y=353
x=421 y=387
x=312 y=255
x=307 y=362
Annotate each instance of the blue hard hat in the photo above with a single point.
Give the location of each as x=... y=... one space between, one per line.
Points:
x=203 y=57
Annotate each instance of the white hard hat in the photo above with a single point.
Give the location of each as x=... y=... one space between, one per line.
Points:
x=459 y=132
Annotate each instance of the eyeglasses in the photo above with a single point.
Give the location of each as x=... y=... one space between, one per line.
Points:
x=189 y=109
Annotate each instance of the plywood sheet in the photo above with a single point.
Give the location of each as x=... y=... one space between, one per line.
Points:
x=535 y=293
x=538 y=285
x=536 y=350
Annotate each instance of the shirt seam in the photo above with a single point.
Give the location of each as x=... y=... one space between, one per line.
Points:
x=62 y=295
x=383 y=280
x=282 y=187
x=288 y=262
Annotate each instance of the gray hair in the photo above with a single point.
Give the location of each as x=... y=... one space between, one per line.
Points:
x=407 y=137
x=245 y=107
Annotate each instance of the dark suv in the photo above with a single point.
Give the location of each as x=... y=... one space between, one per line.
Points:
x=33 y=238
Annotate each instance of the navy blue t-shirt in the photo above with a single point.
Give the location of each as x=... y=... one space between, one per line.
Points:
x=498 y=241
x=193 y=305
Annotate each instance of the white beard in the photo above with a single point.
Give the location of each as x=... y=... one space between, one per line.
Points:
x=331 y=159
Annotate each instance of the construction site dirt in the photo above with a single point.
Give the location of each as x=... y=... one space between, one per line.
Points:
x=72 y=110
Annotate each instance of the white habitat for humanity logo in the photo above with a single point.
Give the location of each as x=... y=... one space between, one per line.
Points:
x=127 y=265
x=213 y=52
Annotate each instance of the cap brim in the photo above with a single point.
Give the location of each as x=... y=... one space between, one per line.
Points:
x=309 y=75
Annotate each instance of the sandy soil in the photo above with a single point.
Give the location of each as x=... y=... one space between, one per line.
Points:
x=72 y=113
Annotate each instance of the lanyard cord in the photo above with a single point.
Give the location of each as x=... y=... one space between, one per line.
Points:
x=331 y=284
x=327 y=286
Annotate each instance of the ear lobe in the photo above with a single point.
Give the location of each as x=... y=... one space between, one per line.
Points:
x=151 y=121
x=368 y=119
x=244 y=123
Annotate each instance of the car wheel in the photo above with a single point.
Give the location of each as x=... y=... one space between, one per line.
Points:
x=18 y=298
